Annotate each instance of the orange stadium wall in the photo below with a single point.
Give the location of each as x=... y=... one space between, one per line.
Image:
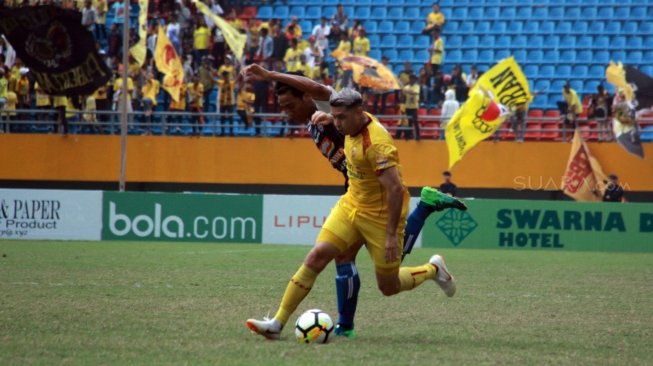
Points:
x=90 y=158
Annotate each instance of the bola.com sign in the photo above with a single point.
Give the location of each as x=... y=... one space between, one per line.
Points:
x=50 y=214
x=546 y=225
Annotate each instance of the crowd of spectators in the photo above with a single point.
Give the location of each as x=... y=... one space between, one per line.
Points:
x=211 y=70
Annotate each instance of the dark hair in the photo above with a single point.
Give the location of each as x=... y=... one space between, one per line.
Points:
x=446 y=173
x=282 y=88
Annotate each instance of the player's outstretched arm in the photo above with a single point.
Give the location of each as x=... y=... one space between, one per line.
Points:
x=315 y=90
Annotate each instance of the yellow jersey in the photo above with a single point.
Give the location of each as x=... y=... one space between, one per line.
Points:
x=22 y=87
x=42 y=99
x=60 y=101
x=412 y=99
x=181 y=104
x=368 y=153
x=292 y=59
x=12 y=101
x=229 y=69
x=361 y=46
x=195 y=95
x=344 y=46
x=435 y=19
x=150 y=90
x=245 y=99
x=201 y=38
x=117 y=85
x=226 y=92
x=438 y=50
x=572 y=101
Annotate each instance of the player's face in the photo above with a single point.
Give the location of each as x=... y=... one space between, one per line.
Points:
x=346 y=120
x=297 y=109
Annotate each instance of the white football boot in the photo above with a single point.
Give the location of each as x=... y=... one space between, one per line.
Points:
x=268 y=328
x=443 y=278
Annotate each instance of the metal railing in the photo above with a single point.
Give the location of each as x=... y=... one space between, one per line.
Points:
x=263 y=124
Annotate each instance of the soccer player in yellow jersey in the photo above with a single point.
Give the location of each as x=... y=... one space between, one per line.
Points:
x=373 y=210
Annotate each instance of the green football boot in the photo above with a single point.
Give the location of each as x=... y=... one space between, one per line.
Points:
x=439 y=200
x=342 y=332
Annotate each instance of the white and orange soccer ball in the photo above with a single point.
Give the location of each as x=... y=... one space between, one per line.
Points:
x=314 y=326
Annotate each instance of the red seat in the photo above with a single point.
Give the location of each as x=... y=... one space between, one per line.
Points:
x=553 y=113
x=550 y=132
x=534 y=113
x=532 y=131
x=429 y=129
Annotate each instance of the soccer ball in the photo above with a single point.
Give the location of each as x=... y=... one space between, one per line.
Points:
x=314 y=326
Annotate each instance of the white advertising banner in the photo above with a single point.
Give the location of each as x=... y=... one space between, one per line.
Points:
x=297 y=220
x=50 y=214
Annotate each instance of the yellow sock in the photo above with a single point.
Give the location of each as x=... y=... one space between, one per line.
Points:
x=299 y=286
x=411 y=277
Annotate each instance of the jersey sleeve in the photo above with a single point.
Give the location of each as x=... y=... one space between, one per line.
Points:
x=382 y=156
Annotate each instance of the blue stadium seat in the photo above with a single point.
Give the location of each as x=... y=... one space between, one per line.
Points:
x=297 y=11
x=563 y=71
x=498 y=27
x=553 y=55
x=618 y=42
x=622 y=12
x=564 y=28
x=591 y=86
x=597 y=71
x=452 y=26
x=402 y=27
x=634 y=57
x=535 y=56
x=565 y=42
x=629 y=28
x=540 y=13
x=577 y=85
x=375 y=54
x=573 y=13
x=508 y=13
x=371 y=26
x=605 y=12
x=405 y=40
x=634 y=43
x=362 y=13
x=589 y=12
x=531 y=71
x=453 y=56
x=379 y=13
x=501 y=54
x=556 y=12
x=482 y=27
x=486 y=55
x=396 y=13
x=520 y=55
x=488 y=41
x=453 y=41
x=385 y=27
x=580 y=27
x=584 y=57
x=491 y=13
x=531 y=27
x=307 y=26
x=535 y=41
x=389 y=41
x=542 y=85
x=412 y=14
x=552 y=41
x=422 y=42
x=547 y=27
x=519 y=42
x=475 y=13
x=470 y=56
x=647 y=69
x=416 y=27
x=375 y=40
x=503 y=42
x=466 y=27
x=391 y=54
x=424 y=12
x=584 y=42
x=547 y=71
x=579 y=71
x=617 y=56
x=471 y=42
x=515 y=27
x=557 y=85
x=524 y=13
x=406 y=55
x=601 y=42
x=613 y=27
x=329 y=11
x=281 y=12
x=596 y=27
x=602 y=57
x=313 y=12
x=638 y=12
x=264 y=12
x=648 y=42
x=421 y=56
x=646 y=28
x=459 y=13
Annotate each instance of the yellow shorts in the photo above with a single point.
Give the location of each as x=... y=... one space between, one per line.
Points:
x=348 y=225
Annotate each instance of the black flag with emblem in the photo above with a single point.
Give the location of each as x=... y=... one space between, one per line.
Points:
x=58 y=50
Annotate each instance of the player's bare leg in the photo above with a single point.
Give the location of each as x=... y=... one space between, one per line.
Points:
x=347 y=287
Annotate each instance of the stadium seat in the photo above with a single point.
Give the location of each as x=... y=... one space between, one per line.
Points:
x=421 y=56
x=486 y=55
x=405 y=40
x=630 y=28
x=491 y=13
x=422 y=42
x=618 y=42
x=540 y=13
x=475 y=13
x=639 y=12
x=307 y=26
x=547 y=71
x=452 y=26
x=453 y=42
x=634 y=57
x=531 y=27
x=564 y=28
x=601 y=42
x=565 y=42
x=535 y=56
x=406 y=55
x=385 y=27
x=597 y=71
x=329 y=11
x=552 y=41
x=508 y=13
x=579 y=71
x=553 y=55
x=622 y=12
x=584 y=57
x=602 y=57
x=590 y=12
x=402 y=27
x=396 y=13
x=573 y=13
x=604 y=12
x=501 y=54
x=375 y=40
x=503 y=42
x=556 y=13
x=613 y=27
x=264 y=12
x=515 y=27
x=535 y=42
x=391 y=54
x=634 y=42
x=498 y=27
x=519 y=42
x=563 y=71
x=412 y=14
x=482 y=27
x=371 y=26
x=466 y=27
x=646 y=28
x=547 y=28
x=281 y=12
x=459 y=13
x=379 y=13
x=648 y=42
x=596 y=28
x=542 y=85
x=298 y=11
x=524 y=13
x=530 y=71
x=375 y=54
x=389 y=41
x=470 y=56
x=416 y=27
x=454 y=56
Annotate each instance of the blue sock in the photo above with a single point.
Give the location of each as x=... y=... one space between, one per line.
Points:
x=414 y=225
x=348 y=283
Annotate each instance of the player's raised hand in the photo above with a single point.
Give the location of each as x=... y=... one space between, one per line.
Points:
x=254 y=72
x=391 y=248
x=322 y=118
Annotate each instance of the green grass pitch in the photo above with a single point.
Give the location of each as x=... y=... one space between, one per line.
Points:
x=127 y=303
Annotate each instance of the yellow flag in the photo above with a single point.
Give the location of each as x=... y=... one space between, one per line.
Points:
x=234 y=38
x=139 y=50
x=169 y=63
x=498 y=91
x=616 y=75
x=584 y=177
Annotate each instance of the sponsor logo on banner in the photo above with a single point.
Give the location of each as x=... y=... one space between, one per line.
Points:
x=182 y=217
x=49 y=214
x=544 y=225
x=297 y=220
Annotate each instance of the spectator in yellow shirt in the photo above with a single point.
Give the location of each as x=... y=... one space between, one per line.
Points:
x=304 y=68
x=411 y=94
x=434 y=21
x=361 y=44
x=150 y=92
x=23 y=94
x=42 y=102
x=344 y=47
x=178 y=107
x=292 y=57
x=4 y=88
x=574 y=106
x=293 y=30
x=245 y=105
x=228 y=66
x=226 y=86
x=201 y=38
x=195 y=98
x=437 y=50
